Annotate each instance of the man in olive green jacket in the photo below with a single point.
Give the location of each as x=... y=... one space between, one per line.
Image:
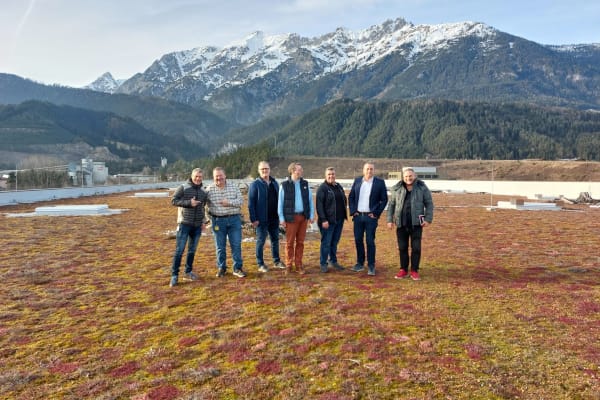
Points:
x=410 y=209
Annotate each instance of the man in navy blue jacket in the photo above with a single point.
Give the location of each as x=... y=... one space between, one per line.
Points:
x=367 y=200
x=262 y=207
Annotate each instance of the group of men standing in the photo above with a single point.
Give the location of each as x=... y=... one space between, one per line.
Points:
x=290 y=205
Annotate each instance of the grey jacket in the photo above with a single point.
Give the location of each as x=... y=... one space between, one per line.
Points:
x=420 y=201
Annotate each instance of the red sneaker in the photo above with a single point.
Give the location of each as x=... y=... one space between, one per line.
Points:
x=415 y=276
x=400 y=275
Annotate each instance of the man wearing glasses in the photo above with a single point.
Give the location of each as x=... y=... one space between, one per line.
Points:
x=262 y=208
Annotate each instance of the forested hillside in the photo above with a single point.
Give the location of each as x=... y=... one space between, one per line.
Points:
x=438 y=129
x=42 y=128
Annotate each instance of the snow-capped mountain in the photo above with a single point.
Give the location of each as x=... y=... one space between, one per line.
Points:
x=266 y=75
x=105 y=83
x=258 y=54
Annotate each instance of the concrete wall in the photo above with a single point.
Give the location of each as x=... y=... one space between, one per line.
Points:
x=570 y=190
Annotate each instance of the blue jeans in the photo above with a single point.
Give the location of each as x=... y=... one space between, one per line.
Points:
x=223 y=228
x=262 y=230
x=364 y=228
x=330 y=238
x=191 y=235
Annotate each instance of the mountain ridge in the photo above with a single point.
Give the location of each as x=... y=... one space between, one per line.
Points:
x=263 y=76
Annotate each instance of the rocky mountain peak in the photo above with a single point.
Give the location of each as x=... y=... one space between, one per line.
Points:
x=105 y=83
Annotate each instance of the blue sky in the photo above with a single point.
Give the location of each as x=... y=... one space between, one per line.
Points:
x=72 y=42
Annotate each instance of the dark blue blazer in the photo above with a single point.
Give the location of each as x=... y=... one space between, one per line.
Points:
x=377 y=200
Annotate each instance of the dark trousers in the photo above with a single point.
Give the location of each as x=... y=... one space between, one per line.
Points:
x=330 y=238
x=364 y=231
x=404 y=235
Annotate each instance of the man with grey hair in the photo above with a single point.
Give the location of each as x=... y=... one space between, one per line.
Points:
x=411 y=210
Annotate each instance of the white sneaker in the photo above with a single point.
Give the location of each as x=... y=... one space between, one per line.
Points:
x=239 y=273
x=190 y=276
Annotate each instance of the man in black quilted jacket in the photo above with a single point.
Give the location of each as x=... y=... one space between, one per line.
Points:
x=191 y=198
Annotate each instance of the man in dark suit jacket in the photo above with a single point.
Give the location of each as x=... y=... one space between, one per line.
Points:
x=367 y=200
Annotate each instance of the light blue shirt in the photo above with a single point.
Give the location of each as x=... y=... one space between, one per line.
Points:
x=298 y=203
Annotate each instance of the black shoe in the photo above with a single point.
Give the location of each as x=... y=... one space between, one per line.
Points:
x=221 y=273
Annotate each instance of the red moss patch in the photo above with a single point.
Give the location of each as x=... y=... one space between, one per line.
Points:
x=187 y=321
x=63 y=367
x=141 y=326
x=187 y=342
x=165 y=392
x=268 y=367
x=588 y=308
x=126 y=369
x=22 y=340
x=287 y=332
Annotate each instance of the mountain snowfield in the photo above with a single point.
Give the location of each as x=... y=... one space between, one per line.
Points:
x=264 y=76
x=258 y=54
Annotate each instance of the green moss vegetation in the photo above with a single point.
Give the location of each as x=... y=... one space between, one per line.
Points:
x=508 y=308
